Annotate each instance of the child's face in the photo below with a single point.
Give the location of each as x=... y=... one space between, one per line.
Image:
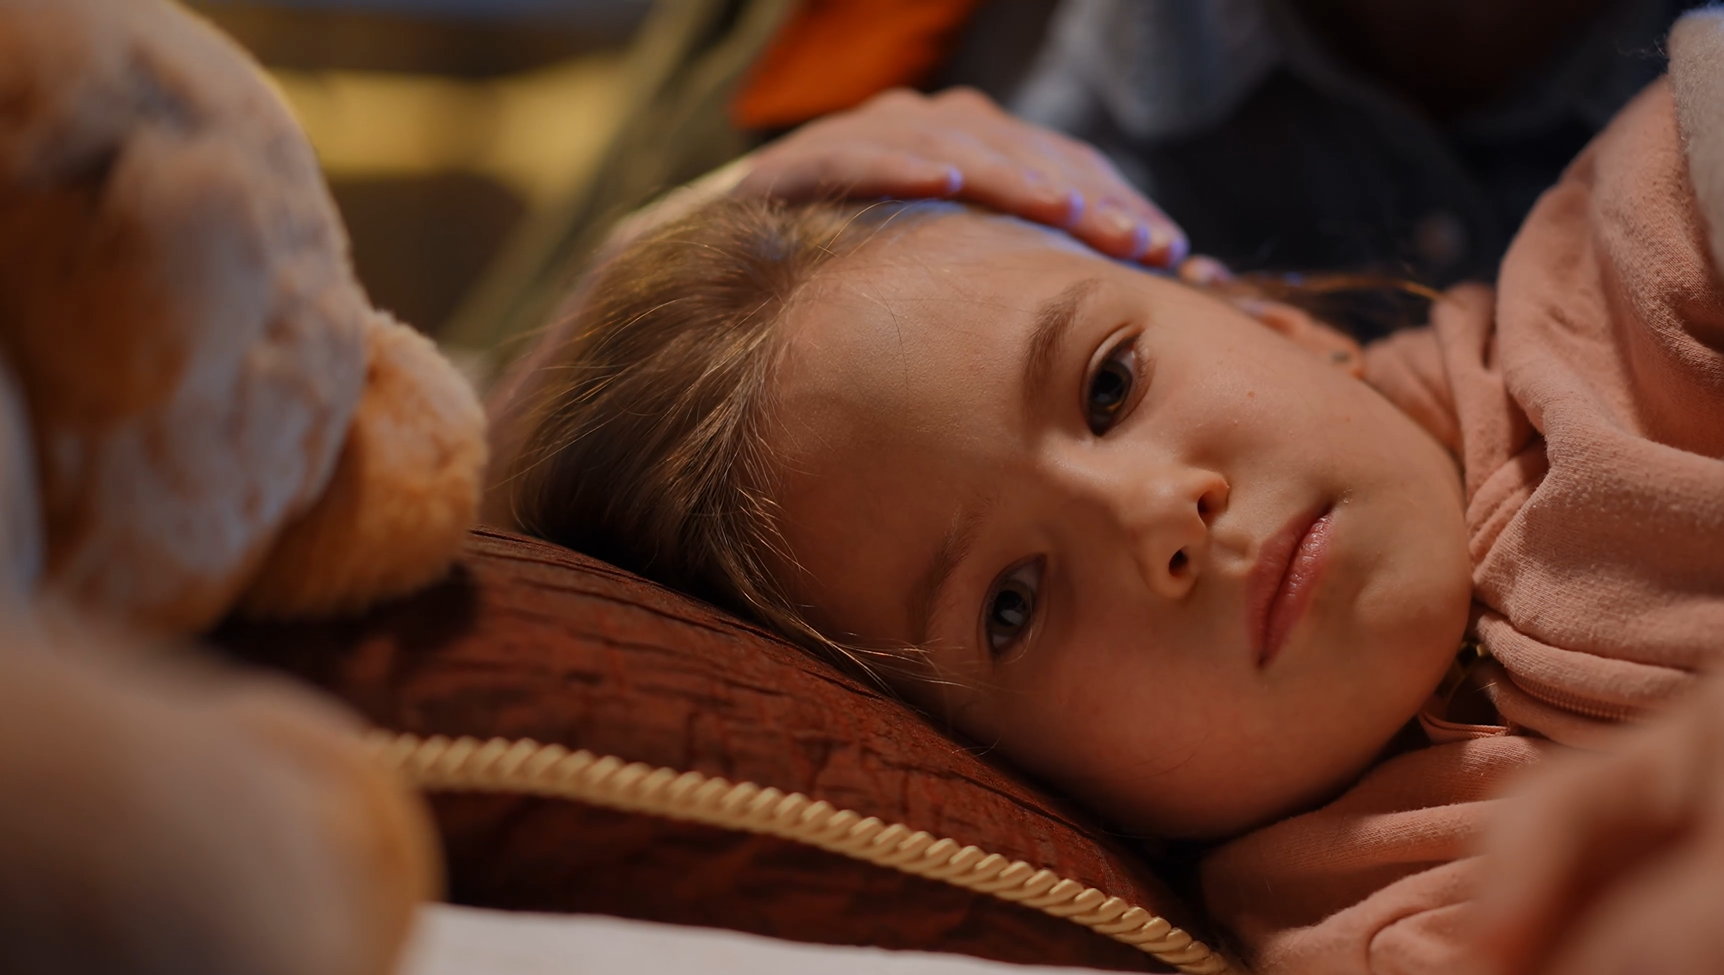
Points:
x=1156 y=551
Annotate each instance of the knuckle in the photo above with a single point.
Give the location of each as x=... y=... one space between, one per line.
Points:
x=895 y=98
x=967 y=98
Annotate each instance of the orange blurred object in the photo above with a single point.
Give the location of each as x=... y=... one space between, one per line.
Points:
x=834 y=54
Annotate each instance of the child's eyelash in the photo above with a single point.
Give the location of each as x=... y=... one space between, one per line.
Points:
x=1011 y=606
x=1110 y=388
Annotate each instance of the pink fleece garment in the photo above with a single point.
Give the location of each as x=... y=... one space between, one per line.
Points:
x=1584 y=399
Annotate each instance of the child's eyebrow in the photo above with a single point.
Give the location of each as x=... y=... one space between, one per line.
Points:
x=1054 y=318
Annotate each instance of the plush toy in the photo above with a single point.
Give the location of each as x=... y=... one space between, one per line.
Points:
x=162 y=815
x=200 y=414
x=219 y=416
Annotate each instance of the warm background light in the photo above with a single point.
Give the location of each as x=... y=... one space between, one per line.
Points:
x=538 y=133
x=447 y=128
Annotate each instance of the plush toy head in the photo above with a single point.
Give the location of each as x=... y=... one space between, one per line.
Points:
x=215 y=414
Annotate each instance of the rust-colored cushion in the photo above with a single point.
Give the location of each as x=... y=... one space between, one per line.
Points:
x=529 y=640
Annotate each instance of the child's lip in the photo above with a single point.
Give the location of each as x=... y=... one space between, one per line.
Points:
x=1284 y=578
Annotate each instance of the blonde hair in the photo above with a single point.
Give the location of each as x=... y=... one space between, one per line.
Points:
x=645 y=446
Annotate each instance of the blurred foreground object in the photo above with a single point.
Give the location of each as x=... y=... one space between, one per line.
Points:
x=163 y=820
x=200 y=412
x=217 y=410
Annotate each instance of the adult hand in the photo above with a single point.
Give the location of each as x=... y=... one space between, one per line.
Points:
x=1613 y=862
x=959 y=144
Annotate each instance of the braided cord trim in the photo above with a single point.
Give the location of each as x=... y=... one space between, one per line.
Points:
x=527 y=767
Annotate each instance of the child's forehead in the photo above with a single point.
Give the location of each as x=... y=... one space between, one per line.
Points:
x=871 y=347
x=924 y=333
x=964 y=275
x=919 y=304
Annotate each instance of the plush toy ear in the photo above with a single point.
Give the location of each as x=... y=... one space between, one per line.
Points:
x=405 y=490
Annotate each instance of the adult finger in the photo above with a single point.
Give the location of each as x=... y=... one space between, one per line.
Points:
x=1002 y=184
x=1103 y=222
x=803 y=173
x=858 y=169
x=1114 y=209
x=904 y=144
x=1113 y=216
x=1131 y=232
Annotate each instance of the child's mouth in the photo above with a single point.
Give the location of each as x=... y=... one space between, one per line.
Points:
x=1284 y=580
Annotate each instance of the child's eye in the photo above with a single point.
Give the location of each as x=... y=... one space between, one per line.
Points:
x=1110 y=387
x=1011 y=606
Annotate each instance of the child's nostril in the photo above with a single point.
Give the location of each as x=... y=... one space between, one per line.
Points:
x=1176 y=565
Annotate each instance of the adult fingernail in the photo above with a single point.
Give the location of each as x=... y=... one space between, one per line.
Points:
x=1142 y=241
x=954 y=180
x=1166 y=248
x=1074 y=207
x=1178 y=249
x=1122 y=224
x=1156 y=251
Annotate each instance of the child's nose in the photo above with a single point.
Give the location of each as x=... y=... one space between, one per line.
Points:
x=1166 y=519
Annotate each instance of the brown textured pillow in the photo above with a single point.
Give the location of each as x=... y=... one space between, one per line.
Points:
x=529 y=640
